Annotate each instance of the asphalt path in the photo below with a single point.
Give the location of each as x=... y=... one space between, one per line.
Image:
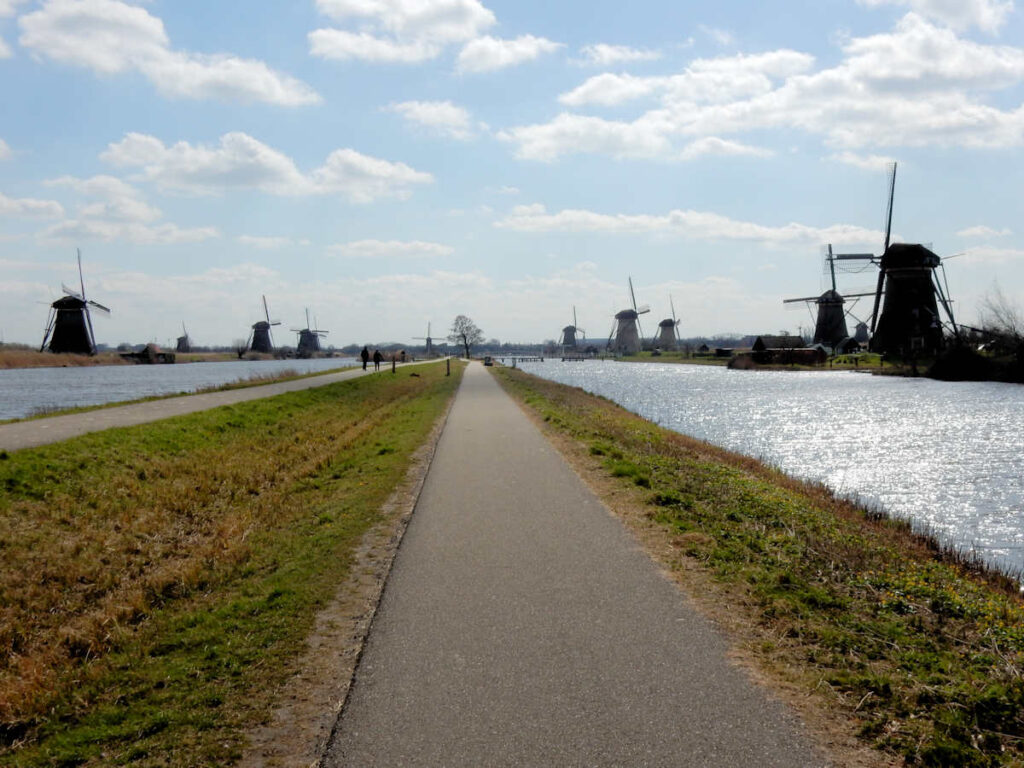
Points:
x=34 y=432
x=521 y=625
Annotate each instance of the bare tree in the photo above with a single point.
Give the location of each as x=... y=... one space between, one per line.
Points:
x=465 y=332
x=241 y=346
x=1001 y=317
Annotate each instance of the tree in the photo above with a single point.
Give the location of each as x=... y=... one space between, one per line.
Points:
x=1002 y=322
x=465 y=332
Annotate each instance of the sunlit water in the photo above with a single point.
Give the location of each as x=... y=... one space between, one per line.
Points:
x=24 y=391
x=947 y=455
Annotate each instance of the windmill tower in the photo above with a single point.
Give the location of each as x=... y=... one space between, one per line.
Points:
x=626 y=331
x=569 y=334
x=309 y=339
x=668 y=336
x=429 y=341
x=909 y=322
x=830 y=324
x=184 y=342
x=69 y=326
x=262 y=341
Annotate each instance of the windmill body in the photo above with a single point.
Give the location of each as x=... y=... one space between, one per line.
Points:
x=572 y=335
x=429 y=345
x=909 y=322
x=309 y=339
x=627 y=327
x=667 y=337
x=69 y=328
x=184 y=343
x=262 y=341
x=830 y=325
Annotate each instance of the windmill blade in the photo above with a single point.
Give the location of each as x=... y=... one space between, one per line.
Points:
x=72 y=292
x=81 y=280
x=573 y=315
x=888 y=215
x=643 y=310
x=805 y=298
x=266 y=310
x=100 y=307
x=632 y=295
x=673 y=306
x=274 y=322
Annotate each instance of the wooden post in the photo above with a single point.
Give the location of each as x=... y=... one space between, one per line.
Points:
x=448 y=366
x=392 y=365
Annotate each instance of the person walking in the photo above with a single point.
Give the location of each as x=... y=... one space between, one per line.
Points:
x=365 y=355
x=377 y=357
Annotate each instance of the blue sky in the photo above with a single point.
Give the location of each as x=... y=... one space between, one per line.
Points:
x=389 y=163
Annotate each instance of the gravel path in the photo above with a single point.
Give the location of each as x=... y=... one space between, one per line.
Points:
x=522 y=626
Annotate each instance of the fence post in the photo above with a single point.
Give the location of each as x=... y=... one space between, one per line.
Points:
x=448 y=366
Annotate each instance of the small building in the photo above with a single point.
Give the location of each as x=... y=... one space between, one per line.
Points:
x=764 y=343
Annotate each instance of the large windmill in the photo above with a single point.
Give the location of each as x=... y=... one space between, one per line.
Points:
x=830 y=327
x=262 y=341
x=69 y=326
x=572 y=334
x=184 y=342
x=429 y=341
x=309 y=339
x=626 y=331
x=909 y=322
x=668 y=335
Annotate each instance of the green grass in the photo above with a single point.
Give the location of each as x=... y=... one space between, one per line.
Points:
x=920 y=651
x=159 y=581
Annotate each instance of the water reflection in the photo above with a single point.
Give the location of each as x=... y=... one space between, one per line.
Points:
x=948 y=455
x=24 y=391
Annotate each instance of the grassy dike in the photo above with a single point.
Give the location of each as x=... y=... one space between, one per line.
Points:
x=158 y=581
x=878 y=635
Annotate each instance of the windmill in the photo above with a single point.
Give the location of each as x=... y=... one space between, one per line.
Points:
x=309 y=339
x=184 y=342
x=830 y=327
x=569 y=340
x=69 y=326
x=262 y=341
x=909 y=322
x=668 y=336
x=429 y=341
x=626 y=330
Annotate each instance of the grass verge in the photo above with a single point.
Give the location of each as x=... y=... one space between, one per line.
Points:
x=159 y=581
x=911 y=649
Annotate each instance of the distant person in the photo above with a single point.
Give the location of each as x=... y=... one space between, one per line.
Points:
x=401 y=356
x=377 y=357
x=365 y=355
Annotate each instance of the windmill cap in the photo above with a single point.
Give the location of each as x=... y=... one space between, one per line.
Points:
x=626 y=314
x=909 y=256
x=668 y=322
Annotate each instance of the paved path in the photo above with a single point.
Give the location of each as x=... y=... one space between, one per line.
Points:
x=522 y=626
x=28 y=434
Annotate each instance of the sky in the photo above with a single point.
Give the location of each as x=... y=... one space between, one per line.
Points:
x=389 y=164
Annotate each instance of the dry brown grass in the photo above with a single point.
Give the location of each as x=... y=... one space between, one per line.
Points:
x=23 y=357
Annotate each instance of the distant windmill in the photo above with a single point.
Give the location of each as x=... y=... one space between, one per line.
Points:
x=184 y=342
x=909 y=322
x=830 y=327
x=428 y=339
x=626 y=331
x=668 y=336
x=309 y=339
x=569 y=333
x=262 y=341
x=69 y=326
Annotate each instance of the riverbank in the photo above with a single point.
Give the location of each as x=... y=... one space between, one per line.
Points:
x=17 y=356
x=160 y=581
x=878 y=635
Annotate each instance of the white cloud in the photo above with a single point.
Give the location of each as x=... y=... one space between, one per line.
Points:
x=241 y=162
x=988 y=15
x=398 y=31
x=984 y=232
x=992 y=255
x=265 y=243
x=10 y=7
x=380 y=249
x=112 y=37
x=603 y=54
x=919 y=85
x=486 y=54
x=5 y=50
x=712 y=145
x=721 y=36
x=115 y=210
x=28 y=207
x=5 y=150
x=864 y=162
x=699 y=225
x=441 y=117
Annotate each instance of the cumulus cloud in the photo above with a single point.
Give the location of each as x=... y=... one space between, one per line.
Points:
x=486 y=54
x=397 y=31
x=112 y=37
x=712 y=145
x=440 y=117
x=603 y=54
x=264 y=243
x=864 y=162
x=115 y=210
x=5 y=50
x=5 y=150
x=380 y=249
x=983 y=232
x=919 y=85
x=699 y=225
x=27 y=207
x=988 y=15
x=993 y=255
x=241 y=162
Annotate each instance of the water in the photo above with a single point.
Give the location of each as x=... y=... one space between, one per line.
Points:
x=24 y=391
x=946 y=455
